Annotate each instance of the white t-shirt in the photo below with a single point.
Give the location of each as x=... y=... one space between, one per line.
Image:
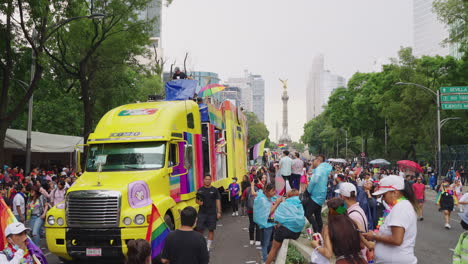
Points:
x=402 y=215
x=18 y=201
x=464 y=198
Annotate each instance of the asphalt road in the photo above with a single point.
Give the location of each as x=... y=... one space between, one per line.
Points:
x=434 y=243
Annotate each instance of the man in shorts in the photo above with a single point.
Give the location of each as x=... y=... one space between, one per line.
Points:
x=209 y=199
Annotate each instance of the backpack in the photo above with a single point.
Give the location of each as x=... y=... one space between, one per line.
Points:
x=361 y=198
x=250 y=198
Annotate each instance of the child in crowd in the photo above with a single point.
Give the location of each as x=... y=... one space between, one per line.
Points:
x=234 y=190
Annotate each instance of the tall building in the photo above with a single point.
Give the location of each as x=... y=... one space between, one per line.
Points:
x=320 y=86
x=428 y=31
x=204 y=78
x=258 y=96
x=245 y=90
x=153 y=13
x=252 y=88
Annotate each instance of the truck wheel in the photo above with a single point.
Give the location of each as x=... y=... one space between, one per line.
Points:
x=169 y=221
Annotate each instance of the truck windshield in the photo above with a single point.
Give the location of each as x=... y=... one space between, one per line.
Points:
x=126 y=156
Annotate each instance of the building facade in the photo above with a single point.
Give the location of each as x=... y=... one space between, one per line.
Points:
x=232 y=94
x=204 y=78
x=320 y=86
x=428 y=31
x=252 y=93
x=258 y=96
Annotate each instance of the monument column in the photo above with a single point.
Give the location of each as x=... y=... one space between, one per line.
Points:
x=285 y=138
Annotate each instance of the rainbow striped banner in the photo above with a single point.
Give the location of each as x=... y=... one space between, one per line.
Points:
x=157 y=232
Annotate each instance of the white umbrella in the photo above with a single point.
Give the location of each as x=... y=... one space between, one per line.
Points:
x=379 y=162
x=340 y=161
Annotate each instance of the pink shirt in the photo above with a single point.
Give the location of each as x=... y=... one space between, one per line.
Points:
x=297 y=166
x=419 y=189
x=57 y=196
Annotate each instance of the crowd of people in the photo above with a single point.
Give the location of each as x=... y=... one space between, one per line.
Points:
x=30 y=196
x=372 y=212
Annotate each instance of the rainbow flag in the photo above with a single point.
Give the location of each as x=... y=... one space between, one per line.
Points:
x=6 y=218
x=281 y=146
x=157 y=232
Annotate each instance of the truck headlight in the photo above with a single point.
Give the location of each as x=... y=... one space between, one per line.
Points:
x=139 y=219
x=51 y=220
x=60 y=221
x=127 y=220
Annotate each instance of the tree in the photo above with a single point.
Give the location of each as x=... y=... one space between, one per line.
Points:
x=373 y=100
x=87 y=50
x=454 y=13
x=18 y=21
x=257 y=130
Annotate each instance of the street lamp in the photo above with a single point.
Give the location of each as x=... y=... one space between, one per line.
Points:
x=437 y=95
x=52 y=29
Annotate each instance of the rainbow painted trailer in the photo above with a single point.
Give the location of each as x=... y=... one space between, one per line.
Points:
x=139 y=155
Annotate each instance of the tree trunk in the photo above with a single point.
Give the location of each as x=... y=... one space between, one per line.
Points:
x=3 y=129
x=88 y=110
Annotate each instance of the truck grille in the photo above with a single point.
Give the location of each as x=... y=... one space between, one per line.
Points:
x=93 y=208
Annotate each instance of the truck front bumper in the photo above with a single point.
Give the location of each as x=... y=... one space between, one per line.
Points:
x=105 y=244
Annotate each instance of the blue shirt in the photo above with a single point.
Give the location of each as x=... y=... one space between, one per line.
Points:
x=234 y=189
x=318 y=184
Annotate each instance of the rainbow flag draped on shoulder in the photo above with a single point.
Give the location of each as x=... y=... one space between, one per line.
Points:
x=6 y=218
x=157 y=232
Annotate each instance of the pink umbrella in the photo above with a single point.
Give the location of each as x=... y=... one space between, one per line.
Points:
x=409 y=165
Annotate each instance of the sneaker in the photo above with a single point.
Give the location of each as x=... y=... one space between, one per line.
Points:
x=421 y=218
x=252 y=242
x=447 y=226
x=257 y=243
x=237 y=213
x=233 y=214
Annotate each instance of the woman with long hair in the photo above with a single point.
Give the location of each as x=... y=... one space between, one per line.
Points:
x=37 y=209
x=341 y=236
x=398 y=227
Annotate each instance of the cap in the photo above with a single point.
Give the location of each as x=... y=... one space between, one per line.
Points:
x=63 y=173
x=15 y=228
x=390 y=183
x=346 y=188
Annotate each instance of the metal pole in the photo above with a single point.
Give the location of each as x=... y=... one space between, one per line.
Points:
x=346 y=151
x=439 y=152
x=336 y=148
x=385 y=136
x=30 y=111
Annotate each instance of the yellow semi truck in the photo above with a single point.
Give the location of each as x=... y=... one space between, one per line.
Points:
x=139 y=155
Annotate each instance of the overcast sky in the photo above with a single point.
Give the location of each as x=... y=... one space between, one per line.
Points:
x=279 y=38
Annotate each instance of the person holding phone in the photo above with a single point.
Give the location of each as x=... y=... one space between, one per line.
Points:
x=341 y=237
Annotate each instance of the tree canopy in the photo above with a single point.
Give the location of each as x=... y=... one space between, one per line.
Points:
x=373 y=102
